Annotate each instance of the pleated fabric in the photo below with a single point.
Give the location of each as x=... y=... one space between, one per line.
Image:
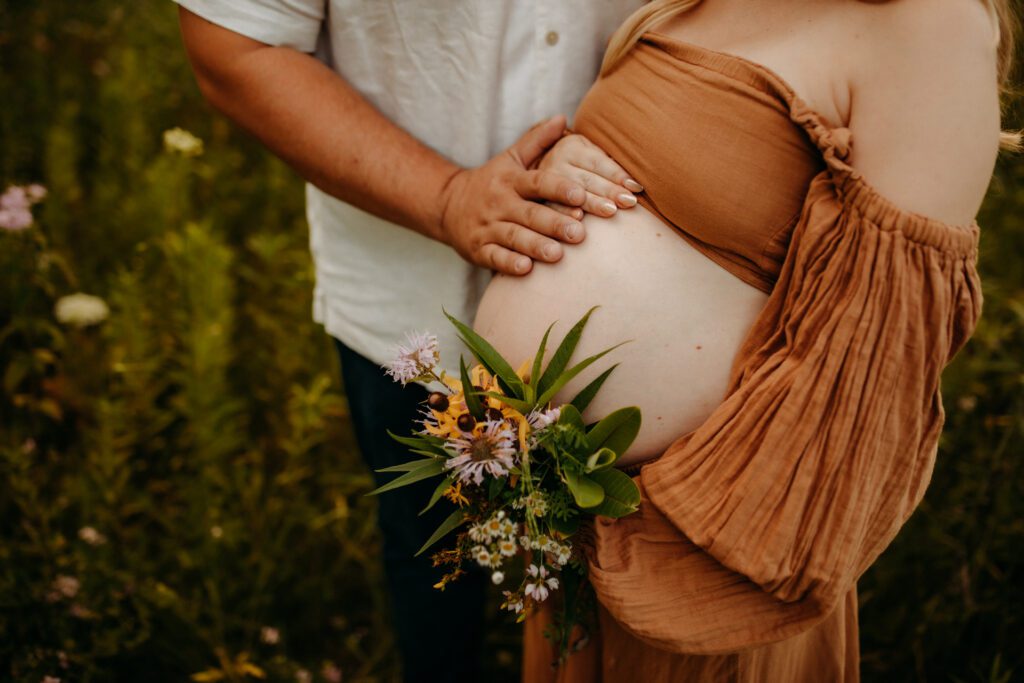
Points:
x=742 y=563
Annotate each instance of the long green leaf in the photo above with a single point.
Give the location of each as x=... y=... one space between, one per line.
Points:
x=538 y=359
x=453 y=521
x=472 y=400
x=488 y=356
x=407 y=466
x=569 y=415
x=522 y=406
x=431 y=468
x=621 y=496
x=616 y=430
x=587 y=393
x=445 y=484
x=563 y=353
x=564 y=378
x=412 y=441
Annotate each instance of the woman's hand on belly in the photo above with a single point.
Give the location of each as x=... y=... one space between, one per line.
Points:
x=685 y=315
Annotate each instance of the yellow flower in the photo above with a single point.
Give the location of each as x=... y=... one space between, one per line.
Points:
x=454 y=494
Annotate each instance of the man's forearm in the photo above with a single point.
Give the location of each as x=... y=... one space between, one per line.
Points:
x=326 y=130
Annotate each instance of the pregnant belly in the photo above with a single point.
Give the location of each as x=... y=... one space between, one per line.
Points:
x=686 y=317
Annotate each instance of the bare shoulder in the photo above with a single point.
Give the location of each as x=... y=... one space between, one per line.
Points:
x=925 y=103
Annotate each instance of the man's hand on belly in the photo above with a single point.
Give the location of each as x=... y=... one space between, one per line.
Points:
x=494 y=216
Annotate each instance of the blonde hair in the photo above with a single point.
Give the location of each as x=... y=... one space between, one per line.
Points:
x=1005 y=25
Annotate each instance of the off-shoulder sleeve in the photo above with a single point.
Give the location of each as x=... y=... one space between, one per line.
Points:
x=755 y=525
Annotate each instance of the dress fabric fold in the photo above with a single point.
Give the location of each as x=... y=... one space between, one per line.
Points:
x=742 y=562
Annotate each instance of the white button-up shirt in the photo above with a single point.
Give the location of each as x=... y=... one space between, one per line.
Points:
x=466 y=77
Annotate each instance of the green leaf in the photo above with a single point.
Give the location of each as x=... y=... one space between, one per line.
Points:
x=422 y=442
x=602 y=458
x=472 y=400
x=616 y=430
x=568 y=415
x=538 y=359
x=520 y=405
x=587 y=492
x=587 y=393
x=453 y=521
x=566 y=526
x=407 y=466
x=495 y=487
x=445 y=484
x=564 y=378
x=563 y=353
x=488 y=357
x=430 y=468
x=621 y=496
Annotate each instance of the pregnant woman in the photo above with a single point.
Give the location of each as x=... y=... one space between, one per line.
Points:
x=800 y=269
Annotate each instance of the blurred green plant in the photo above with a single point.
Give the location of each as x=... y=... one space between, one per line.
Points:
x=180 y=495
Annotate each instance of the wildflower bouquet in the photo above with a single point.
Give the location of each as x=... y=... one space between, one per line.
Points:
x=522 y=472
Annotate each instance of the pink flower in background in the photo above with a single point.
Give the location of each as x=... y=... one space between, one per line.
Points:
x=331 y=673
x=16 y=206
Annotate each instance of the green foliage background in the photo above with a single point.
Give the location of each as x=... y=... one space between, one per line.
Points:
x=201 y=429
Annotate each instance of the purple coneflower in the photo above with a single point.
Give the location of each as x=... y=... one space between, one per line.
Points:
x=493 y=451
x=416 y=359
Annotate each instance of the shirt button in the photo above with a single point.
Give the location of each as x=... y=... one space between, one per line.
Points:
x=552 y=37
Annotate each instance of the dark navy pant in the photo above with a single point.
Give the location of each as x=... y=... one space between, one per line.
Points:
x=438 y=633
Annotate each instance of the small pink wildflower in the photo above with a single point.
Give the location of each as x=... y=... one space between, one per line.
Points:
x=331 y=673
x=416 y=359
x=538 y=589
x=270 y=635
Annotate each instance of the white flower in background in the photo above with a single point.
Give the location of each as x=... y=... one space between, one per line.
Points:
x=416 y=359
x=66 y=586
x=497 y=577
x=180 y=141
x=91 y=536
x=538 y=589
x=507 y=547
x=81 y=310
x=493 y=451
x=216 y=531
x=51 y=679
x=270 y=635
x=303 y=676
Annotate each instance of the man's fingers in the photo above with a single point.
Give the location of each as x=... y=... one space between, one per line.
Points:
x=549 y=186
x=535 y=141
x=543 y=220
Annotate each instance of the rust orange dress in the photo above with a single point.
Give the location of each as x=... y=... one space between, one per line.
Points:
x=741 y=564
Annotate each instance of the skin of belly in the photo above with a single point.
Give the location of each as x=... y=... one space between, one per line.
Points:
x=685 y=314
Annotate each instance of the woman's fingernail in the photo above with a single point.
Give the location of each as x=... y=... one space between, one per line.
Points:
x=573 y=231
x=633 y=186
x=608 y=207
x=550 y=251
x=522 y=264
x=627 y=200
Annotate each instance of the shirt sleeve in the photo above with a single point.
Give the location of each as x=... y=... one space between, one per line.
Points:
x=753 y=527
x=289 y=23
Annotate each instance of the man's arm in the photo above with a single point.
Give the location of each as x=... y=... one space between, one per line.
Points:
x=315 y=121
